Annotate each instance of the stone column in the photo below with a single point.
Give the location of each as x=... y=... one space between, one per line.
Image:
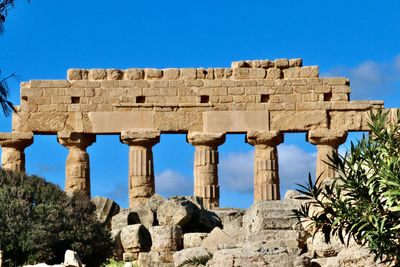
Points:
x=13 y=146
x=141 y=169
x=327 y=142
x=266 y=169
x=206 y=166
x=77 y=169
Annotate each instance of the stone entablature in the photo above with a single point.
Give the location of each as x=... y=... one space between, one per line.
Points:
x=290 y=97
x=261 y=98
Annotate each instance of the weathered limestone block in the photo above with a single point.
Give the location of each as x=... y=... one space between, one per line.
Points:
x=206 y=166
x=292 y=240
x=141 y=170
x=191 y=240
x=115 y=74
x=253 y=257
x=144 y=214
x=215 y=238
x=134 y=74
x=298 y=120
x=156 y=259
x=189 y=253
x=155 y=202
x=77 y=169
x=13 y=146
x=71 y=259
x=232 y=221
x=97 y=74
x=77 y=74
x=176 y=211
x=166 y=238
x=271 y=215
x=105 y=209
x=266 y=169
x=327 y=142
x=124 y=218
x=116 y=239
x=135 y=238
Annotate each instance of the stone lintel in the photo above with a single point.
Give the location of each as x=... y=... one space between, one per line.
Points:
x=206 y=139
x=116 y=121
x=269 y=138
x=140 y=137
x=326 y=137
x=16 y=139
x=81 y=140
x=235 y=121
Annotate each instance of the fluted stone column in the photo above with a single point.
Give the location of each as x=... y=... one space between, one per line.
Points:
x=77 y=168
x=13 y=146
x=206 y=166
x=266 y=168
x=327 y=142
x=141 y=169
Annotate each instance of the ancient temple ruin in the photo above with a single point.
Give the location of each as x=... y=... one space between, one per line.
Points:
x=263 y=99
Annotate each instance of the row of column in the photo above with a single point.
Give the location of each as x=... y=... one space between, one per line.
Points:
x=141 y=169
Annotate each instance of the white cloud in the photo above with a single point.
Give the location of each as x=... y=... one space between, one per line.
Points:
x=294 y=165
x=369 y=79
x=236 y=172
x=172 y=182
x=236 y=169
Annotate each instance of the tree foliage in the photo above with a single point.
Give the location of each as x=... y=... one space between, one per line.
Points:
x=363 y=201
x=39 y=222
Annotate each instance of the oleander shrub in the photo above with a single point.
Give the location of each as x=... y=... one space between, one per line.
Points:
x=39 y=222
x=363 y=201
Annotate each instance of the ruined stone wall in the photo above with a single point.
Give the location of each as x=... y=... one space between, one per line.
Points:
x=279 y=95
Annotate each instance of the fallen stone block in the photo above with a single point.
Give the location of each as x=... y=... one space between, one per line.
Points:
x=216 y=237
x=135 y=238
x=118 y=249
x=166 y=238
x=145 y=215
x=232 y=222
x=273 y=215
x=156 y=258
x=105 y=209
x=176 y=211
x=191 y=240
x=253 y=257
x=124 y=218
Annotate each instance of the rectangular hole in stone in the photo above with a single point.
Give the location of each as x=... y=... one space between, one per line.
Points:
x=75 y=99
x=264 y=99
x=328 y=97
x=25 y=98
x=140 y=99
x=348 y=97
x=204 y=99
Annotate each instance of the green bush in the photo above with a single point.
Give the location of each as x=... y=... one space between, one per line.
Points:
x=363 y=201
x=39 y=222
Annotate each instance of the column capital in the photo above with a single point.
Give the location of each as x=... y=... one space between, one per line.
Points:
x=326 y=137
x=145 y=137
x=72 y=139
x=205 y=139
x=19 y=140
x=266 y=138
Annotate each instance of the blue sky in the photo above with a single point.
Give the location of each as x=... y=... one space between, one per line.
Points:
x=356 y=39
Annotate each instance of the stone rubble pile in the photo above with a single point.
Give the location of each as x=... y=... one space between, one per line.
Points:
x=171 y=232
